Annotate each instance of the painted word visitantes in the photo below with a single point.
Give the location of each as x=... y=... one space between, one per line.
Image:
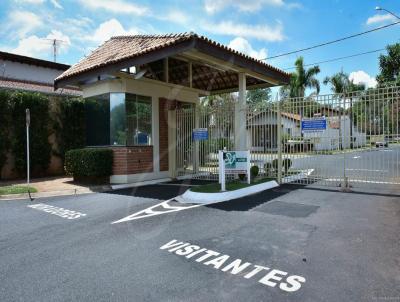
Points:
x=267 y=276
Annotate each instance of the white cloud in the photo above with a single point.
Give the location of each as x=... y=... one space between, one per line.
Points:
x=108 y=29
x=56 y=4
x=22 y=22
x=260 y=32
x=361 y=77
x=34 y=46
x=242 y=45
x=30 y=1
x=213 y=6
x=116 y=6
x=379 y=18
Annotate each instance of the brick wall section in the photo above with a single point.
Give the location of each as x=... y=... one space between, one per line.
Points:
x=163 y=132
x=132 y=160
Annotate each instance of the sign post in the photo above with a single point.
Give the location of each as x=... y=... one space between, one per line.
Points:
x=28 y=123
x=233 y=162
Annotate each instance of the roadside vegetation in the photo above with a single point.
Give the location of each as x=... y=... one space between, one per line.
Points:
x=16 y=189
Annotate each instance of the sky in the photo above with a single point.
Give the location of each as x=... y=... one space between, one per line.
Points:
x=259 y=28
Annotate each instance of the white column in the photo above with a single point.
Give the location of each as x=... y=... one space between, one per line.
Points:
x=156 y=134
x=172 y=143
x=240 y=116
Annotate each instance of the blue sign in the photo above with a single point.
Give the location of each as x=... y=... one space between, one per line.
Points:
x=200 y=134
x=142 y=138
x=313 y=125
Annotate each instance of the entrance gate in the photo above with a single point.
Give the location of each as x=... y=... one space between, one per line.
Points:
x=350 y=139
x=199 y=159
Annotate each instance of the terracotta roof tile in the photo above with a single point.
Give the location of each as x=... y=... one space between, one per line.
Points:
x=13 y=84
x=121 y=48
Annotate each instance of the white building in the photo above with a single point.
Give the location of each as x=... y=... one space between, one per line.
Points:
x=262 y=132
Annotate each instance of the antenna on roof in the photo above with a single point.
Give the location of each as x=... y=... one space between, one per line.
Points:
x=56 y=44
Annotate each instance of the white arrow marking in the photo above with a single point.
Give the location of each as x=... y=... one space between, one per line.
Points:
x=152 y=212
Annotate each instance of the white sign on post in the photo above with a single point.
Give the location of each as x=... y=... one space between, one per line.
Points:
x=233 y=162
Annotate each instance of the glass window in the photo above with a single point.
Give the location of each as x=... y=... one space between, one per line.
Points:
x=98 y=120
x=118 y=119
x=138 y=119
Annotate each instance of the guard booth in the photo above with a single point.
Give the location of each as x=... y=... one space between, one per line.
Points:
x=143 y=95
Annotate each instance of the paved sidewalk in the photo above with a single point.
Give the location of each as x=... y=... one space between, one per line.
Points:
x=53 y=186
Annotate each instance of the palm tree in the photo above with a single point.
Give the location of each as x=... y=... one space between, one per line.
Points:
x=301 y=79
x=340 y=83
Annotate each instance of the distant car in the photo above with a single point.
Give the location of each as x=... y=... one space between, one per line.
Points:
x=383 y=144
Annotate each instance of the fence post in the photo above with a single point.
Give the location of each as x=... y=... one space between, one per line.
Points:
x=279 y=138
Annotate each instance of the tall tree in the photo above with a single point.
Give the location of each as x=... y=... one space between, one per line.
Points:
x=340 y=83
x=301 y=79
x=259 y=97
x=389 y=66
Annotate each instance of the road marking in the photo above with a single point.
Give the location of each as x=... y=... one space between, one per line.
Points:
x=247 y=270
x=164 y=207
x=61 y=212
x=355 y=157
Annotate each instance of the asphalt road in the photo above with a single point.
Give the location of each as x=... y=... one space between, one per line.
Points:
x=300 y=243
x=363 y=168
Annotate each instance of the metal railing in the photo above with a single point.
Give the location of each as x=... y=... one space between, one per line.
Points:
x=359 y=142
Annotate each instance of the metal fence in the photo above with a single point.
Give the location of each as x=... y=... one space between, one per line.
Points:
x=199 y=159
x=354 y=138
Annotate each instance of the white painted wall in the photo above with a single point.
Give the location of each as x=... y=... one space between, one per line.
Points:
x=26 y=72
x=329 y=139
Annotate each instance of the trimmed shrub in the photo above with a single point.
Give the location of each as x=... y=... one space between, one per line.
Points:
x=254 y=170
x=88 y=163
x=275 y=164
x=286 y=163
x=5 y=112
x=40 y=148
x=242 y=177
x=71 y=128
x=267 y=168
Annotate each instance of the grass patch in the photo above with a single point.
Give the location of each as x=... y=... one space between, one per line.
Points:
x=230 y=186
x=16 y=190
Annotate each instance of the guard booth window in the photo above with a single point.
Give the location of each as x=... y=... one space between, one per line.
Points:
x=118 y=119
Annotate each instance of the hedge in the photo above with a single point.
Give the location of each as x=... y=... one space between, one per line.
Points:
x=71 y=128
x=5 y=126
x=89 y=162
x=40 y=148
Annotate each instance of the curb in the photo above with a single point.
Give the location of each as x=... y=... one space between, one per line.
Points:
x=209 y=198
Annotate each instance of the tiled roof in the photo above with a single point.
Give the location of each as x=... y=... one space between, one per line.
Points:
x=13 y=84
x=122 y=48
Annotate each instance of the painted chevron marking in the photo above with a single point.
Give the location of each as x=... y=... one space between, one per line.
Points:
x=163 y=208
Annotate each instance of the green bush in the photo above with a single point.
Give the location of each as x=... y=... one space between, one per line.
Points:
x=89 y=162
x=254 y=170
x=242 y=177
x=5 y=126
x=267 y=168
x=40 y=148
x=275 y=164
x=71 y=127
x=286 y=163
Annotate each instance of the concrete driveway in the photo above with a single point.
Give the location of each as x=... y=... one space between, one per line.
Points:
x=292 y=243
